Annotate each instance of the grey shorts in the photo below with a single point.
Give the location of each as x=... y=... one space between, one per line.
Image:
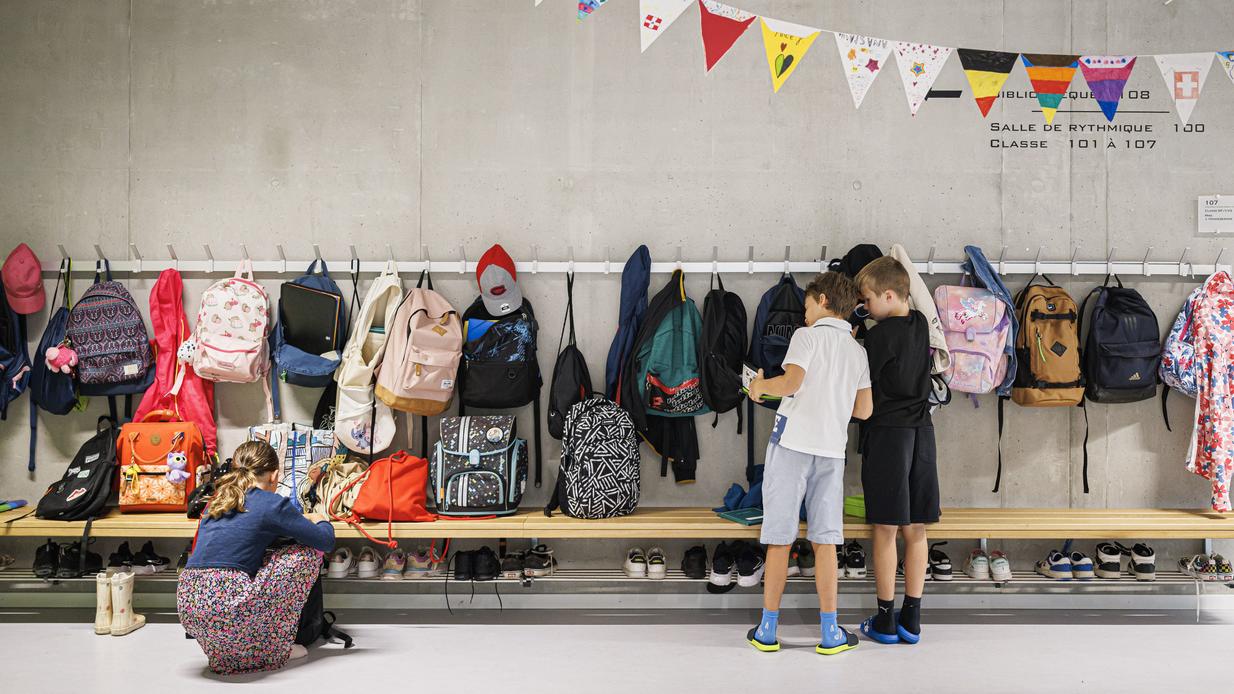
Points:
x=790 y=477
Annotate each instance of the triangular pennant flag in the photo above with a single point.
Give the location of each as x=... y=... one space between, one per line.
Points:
x=586 y=7
x=786 y=44
x=920 y=64
x=656 y=15
x=986 y=72
x=1227 y=62
x=721 y=26
x=862 y=58
x=1051 y=77
x=1106 y=76
x=1184 y=75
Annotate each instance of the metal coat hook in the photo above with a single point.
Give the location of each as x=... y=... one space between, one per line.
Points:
x=316 y=252
x=462 y=260
x=607 y=255
x=390 y=255
x=424 y=257
x=136 y=256
x=1002 y=269
x=750 y=258
x=209 y=257
x=354 y=256
x=244 y=251
x=788 y=252
x=63 y=253
x=930 y=262
x=1183 y=257
x=1109 y=260
x=1144 y=263
x=535 y=259
x=98 y=250
x=1074 y=252
x=1037 y=262
x=171 y=253
x=715 y=260
x=678 y=263
x=282 y=257
x=822 y=260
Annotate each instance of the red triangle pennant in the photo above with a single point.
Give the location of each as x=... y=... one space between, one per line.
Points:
x=722 y=25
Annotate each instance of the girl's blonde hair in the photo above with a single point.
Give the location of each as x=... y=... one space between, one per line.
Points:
x=250 y=461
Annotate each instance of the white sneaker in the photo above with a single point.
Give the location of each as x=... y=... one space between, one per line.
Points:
x=635 y=565
x=342 y=563
x=1000 y=567
x=368 y=564
x=657 y=566
x=1109 y=561
x=977 y=566
x=1056 y=565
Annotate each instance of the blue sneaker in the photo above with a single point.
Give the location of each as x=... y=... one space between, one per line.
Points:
x=1081 y=566
x=905 y=635
x=867 y=628
x=1057 y=566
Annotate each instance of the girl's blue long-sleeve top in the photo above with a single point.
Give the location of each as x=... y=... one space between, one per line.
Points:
x=239 y=540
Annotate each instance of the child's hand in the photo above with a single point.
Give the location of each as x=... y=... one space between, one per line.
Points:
x=316 y=517
x=758 y=387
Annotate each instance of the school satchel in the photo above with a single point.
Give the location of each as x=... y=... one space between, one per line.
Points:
x=479 y=467
x=1122 y=347
x=82 y=491
x=599 y=475
x=1047 y=347
x=571 y=380
x=158 y=463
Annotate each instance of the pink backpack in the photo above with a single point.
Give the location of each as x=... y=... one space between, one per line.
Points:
x=233 y=325
x=423 y=349
x=976 y=327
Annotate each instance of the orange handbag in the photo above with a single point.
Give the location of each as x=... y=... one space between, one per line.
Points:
x=393 y=489
x=158 y=463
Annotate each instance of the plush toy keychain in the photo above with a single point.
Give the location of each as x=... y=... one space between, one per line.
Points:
x=61 y=359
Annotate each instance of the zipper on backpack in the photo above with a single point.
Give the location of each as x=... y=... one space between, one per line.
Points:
x=1040 y=347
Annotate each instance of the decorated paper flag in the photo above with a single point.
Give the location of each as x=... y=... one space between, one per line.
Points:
x=986 y=72
x=1051 y=77
x=1184 y=75
x=721 y=25
x=656 y=15
x=920 y=64
x=1227 y=62
x=586 y=7
x=1106 y=76
x=786 y=45
x=862 y=58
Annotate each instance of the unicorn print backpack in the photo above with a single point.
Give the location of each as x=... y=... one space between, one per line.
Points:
x=976 y=327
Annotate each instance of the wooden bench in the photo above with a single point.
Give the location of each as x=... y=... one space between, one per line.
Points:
x=700 y=523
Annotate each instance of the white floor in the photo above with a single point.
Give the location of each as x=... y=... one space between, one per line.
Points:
x=661 y=656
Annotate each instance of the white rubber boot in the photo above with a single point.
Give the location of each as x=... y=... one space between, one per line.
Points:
x=102 y=604
x=123 y=619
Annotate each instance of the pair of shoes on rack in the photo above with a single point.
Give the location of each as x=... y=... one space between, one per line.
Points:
x=737 y=562
x=851 y=561
x=995 y=566
x=694 y=562
x=144 y=563
x=801 y=559
x=400 y=565
x=651 y=564
x=483 y=565
x=476 y=565
x=1203 y=567
x=66 y=560
x=1141 y=561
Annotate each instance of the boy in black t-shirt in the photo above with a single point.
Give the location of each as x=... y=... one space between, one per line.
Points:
x=898 y=471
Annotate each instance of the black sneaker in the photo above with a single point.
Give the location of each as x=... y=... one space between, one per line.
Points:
x=539 y=562
x=120 y=560
x=512 y=565
x=694 y=563
x=46 y=560
x=854 y=560
x=749 y=565
x=723 y=566
x=1143 y=564
x=147 y=561
x=71 y=563
x=940 y=564
x=485 y=566
x=464 y=566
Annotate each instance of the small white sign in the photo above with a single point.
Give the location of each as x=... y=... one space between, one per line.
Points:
x=1216 y=214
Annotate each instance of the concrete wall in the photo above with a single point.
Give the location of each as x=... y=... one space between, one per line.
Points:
x=449 y=123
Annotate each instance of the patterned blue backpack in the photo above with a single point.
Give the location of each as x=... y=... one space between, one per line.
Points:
x=1177 y=368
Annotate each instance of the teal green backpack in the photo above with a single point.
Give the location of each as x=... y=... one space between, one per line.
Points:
x=669 y=383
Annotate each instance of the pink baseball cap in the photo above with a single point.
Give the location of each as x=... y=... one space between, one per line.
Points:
x=23 y=280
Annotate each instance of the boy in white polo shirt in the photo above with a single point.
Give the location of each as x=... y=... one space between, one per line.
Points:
x=826 y=381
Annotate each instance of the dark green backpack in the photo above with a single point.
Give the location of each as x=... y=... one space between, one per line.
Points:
x=669 y=380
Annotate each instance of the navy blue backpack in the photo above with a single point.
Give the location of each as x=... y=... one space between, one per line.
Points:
x=294 y=365
x=14 y=355
x=781 y=310
x=52 y=391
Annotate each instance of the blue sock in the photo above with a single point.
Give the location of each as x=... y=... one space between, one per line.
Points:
x=833 y=635
x=766 y=632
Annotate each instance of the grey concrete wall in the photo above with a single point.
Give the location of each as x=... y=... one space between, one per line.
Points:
x=449 y=123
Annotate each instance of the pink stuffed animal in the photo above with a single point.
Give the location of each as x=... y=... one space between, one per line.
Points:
x=61 y=359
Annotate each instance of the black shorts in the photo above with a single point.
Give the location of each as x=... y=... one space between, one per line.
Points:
x=899 y=475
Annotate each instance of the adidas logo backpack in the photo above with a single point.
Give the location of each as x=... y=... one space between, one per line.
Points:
x=599 y=473
x=233 y=325
x=1122 y=348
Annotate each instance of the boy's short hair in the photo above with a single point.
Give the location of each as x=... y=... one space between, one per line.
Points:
x=883 y=274
x=841 y=292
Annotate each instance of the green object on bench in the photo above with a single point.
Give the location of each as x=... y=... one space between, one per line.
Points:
x=855 y=506
x=744 y=516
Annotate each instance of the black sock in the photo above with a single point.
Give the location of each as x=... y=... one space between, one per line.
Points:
x=884 y=621
x=910 y=615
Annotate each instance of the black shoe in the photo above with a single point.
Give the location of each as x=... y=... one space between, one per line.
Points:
x=854 y=560
x=694 y=563
x=464 y=566
x=512 y=565
x=71 y=564
x=148 y=562
x=749 y=565
x=485 y=566
x=120 y=560
x=723 y=566
x=539 y=562
x=46 y=560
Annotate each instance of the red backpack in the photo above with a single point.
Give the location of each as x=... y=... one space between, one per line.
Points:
x=393 y=489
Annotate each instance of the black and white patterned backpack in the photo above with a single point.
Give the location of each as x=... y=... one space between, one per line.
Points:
x=599 y=474
x=479 y=467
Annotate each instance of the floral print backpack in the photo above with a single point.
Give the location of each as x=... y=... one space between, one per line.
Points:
x=1177 y=368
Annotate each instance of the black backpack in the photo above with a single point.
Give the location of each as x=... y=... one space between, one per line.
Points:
x=318 y=623
x=83 y=490
x=721 y=348
x=780 y=312
x=599 y=475
x=571 y=380
x=1122 y=349
x=499 y=370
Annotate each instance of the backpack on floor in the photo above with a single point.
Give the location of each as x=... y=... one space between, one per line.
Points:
x=52 y=391
x=571 y=382
x=600 y=463
x=1177 y=370
x=721 y=349
x=113 y=346
x=1047 y=347
x=1122 y=346
x=316 y=622
x=293 y=364
x=83 y=490
x=479 y=467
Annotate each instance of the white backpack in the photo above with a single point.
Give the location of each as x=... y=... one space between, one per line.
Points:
x=230 y=342
x=361 y=422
